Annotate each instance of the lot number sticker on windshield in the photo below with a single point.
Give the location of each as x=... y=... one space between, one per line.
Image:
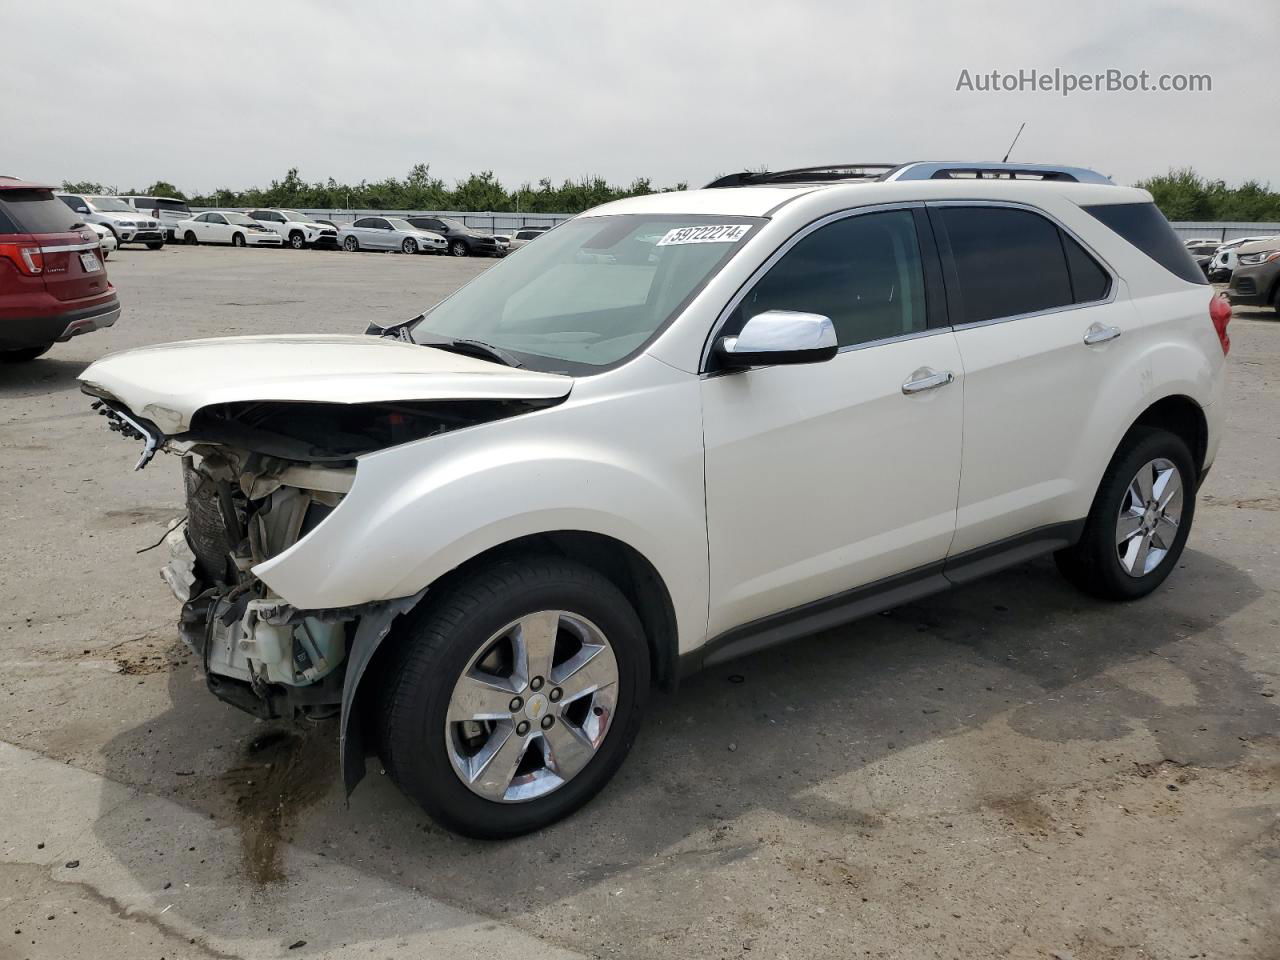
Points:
x=711 y=233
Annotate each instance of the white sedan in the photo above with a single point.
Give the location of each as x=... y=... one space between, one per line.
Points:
x=106 y=239
x=226 y=226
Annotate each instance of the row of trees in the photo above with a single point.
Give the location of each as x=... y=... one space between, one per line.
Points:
x=1186 y=195
x=1181 y=194
x=420 y=190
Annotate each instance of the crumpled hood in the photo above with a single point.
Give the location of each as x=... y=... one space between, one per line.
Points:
x=167 y=383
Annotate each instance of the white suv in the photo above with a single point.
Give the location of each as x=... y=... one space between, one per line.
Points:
x=297 y=229
x=677 y=429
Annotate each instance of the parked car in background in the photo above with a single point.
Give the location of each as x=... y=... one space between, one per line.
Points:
x=1224 y=260
x=1256 y=279
x=297 y=230
x=168 y=210
x=389 y=233
x=1202 y=252
x=600 y=465
x=53 y=285
x=229 y=227
x=462 y=240
x=128 y=225
x=106 y=239
x=519 y=238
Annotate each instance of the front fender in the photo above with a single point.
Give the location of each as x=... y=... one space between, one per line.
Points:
x=418 y=511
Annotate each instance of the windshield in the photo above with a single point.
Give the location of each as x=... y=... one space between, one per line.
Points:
x=398 y=224
x=295 y=216
x=593 y=291
x=241 y=218
x=111 y=205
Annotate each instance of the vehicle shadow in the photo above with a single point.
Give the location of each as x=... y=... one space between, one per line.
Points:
x=39 y=377
x=781 y=732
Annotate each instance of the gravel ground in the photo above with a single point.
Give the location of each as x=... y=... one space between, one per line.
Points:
x=1009 y=770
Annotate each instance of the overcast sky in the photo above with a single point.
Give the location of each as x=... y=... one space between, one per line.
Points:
x=232 y=93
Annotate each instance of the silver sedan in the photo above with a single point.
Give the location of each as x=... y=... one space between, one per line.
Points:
x=389 y=233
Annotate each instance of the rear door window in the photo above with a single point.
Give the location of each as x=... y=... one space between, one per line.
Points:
x=38 y=211
x=1144 y=226
x=1006 y=262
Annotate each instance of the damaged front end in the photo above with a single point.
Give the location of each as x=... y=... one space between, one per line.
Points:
x=258 y=652
x=271 y=431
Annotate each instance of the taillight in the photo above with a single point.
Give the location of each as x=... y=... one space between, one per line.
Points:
x=26 y=258
x=1220 y=314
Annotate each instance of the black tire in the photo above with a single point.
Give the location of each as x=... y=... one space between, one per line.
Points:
x=297 y=240
x=1275 y=299
x=24 y=355
x=237 y=240
x=155 y=245
x=351 y=244
x=459 y=248
x=1094 y=564
x=409 y=246
x=434 y=649
x=189 y=238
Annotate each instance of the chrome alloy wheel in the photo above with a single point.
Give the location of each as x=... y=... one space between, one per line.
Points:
x=532 y=706
x=1149 y=517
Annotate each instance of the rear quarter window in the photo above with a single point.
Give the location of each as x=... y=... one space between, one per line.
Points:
x=37 y=211
x=1144 y=226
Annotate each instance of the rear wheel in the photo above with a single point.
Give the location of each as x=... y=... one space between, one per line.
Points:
x=515 y=696
x=410 y=245
x=237 y=239
x=459 y=249
x=351 y=244
x=24 y=355
x=1140 y=519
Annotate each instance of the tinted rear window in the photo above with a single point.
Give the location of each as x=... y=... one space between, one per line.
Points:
x=177 y=205
x=37 y=211
x=1008 y=262
x=1144 y=226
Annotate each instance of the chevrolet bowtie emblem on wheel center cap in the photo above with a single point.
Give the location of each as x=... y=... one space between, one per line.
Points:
x=536 y=706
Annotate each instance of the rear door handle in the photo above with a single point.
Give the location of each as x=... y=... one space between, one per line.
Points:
x=926 y=378
x=1097 y=333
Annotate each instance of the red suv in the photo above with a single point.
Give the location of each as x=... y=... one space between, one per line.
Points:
x=53 y=285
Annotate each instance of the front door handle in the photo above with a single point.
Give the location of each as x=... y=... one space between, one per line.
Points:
x=926 y=378
x=1097 y=333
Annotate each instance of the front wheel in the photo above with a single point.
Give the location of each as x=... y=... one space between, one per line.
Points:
x=189 y=238
x=409 y=246
x=237 y=239
x=155 y=244
x=1140 y=519
x=459 y=249
x=514 y=697
x=297 y=240
x=351 y=244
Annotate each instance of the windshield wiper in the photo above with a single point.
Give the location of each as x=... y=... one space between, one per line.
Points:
x=469 y=348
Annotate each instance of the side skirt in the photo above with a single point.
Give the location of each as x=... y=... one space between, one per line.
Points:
x=882 y=595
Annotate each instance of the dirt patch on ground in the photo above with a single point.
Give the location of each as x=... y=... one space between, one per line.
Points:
x=283 y=773
x=1251 y=503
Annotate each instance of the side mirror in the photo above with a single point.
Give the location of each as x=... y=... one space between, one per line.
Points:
x=82 y=209
x=780 y=336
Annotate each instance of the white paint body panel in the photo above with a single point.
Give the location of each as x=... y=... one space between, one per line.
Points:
x=169 y=382
x=824 y=477
x=621 y=457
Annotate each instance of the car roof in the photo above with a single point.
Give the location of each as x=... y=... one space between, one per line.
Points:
x=761 y=201
x=14 y=183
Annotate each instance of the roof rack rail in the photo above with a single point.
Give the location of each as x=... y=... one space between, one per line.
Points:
x=820 y=174
x=929 y=170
